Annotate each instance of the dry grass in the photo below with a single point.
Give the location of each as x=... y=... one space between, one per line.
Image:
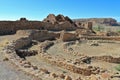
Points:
x=3 y=43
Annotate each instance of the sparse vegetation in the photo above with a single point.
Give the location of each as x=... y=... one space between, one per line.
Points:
x=99 y=28
x=117 y=67
x=64 y=72
x=104 y=28
x=118 y=31
x=3 y=43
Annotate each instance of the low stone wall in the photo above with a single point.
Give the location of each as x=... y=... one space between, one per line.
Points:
x=9 y=27
x=101 y=38
x=65 y=65
x=22 y=42
x=44 y=46
x=69 y=43
x=65 y=36
x=24 y=53
x=44 y=35
x=61 y=62
x=107 y=59
x=40 y=35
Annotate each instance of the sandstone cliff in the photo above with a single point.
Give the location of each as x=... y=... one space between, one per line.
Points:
x=105 y=21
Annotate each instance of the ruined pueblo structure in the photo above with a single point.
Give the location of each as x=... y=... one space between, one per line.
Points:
x=59 y=48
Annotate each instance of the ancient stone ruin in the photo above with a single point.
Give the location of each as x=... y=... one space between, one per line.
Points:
x=56 y=49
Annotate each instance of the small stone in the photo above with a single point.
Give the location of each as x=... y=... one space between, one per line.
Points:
x=103 y=71
x=105 y=75
x=89 y=67
x=79 y=78
x=27 y=65
x=86 y=72
x=35 y=67
x=116 y=73
x=5 y=59
x=62 y=76
x=53 y=75
x=68 y=78
x=44 y=70
x=93 y=77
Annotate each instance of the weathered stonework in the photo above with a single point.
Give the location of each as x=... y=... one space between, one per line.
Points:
x=39 y=35
x=11 y=53
x=108 y=59
x=64 y=36
x=52 y=22
x=36 y=42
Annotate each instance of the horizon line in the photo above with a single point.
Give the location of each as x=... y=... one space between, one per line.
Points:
x=38 y=19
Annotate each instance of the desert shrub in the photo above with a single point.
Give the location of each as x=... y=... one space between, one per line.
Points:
x=117 y=67
x=118 y=31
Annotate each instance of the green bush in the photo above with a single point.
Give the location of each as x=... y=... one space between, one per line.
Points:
x=117 y=67
x=118 y=31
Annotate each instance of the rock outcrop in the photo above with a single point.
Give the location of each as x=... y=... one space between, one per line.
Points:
x=106 y=21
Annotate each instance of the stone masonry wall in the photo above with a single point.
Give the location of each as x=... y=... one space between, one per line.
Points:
x=52 y=22
x=9 y=27
x=39 y=35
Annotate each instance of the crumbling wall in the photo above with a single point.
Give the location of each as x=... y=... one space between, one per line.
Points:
x=84 y=25
x=60 y=22
x=65 y=36
x=22 y=42
x=9 y=27
x=52 y=22
x=39 y=35
x=24 y=53
x=102 y=38
x=108 y=59
x=84 y=32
